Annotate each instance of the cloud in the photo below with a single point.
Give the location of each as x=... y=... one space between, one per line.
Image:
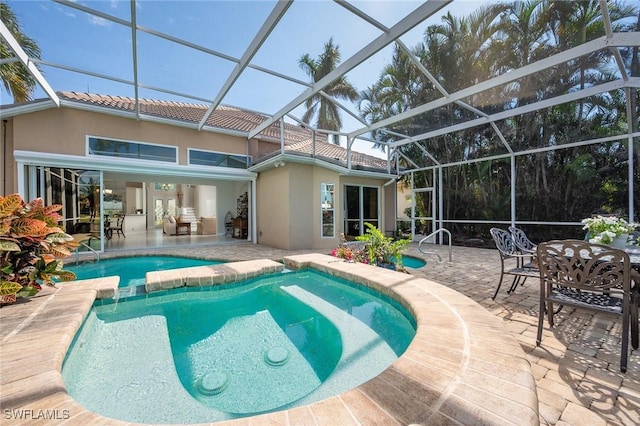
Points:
x=96 y=20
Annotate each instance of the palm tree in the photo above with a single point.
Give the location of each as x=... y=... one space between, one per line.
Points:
x=328 y=114
x=459 y=52
x=17 y=80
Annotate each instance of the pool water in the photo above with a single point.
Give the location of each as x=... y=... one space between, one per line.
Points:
x=268 y=343
x=132 y=270
x=413 y=262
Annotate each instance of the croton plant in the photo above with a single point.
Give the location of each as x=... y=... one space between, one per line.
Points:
x=32 y=246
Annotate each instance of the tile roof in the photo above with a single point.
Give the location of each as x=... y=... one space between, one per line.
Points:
x=224 y=117
x=298 y=140
x=335 y=153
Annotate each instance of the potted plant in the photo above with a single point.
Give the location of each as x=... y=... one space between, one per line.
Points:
x=31 y=247
x=608 y=230
x=381 y=250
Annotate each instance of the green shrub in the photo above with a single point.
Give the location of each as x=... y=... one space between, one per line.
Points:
x=31 y=247
x=381 y=249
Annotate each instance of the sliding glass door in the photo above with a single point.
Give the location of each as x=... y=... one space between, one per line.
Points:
x=77 y=190
x=361 y=205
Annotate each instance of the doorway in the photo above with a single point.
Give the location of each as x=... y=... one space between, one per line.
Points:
x=164 y=206
x=362 y=204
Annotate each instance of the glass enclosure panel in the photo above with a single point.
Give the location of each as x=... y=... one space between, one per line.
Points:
x=78 y=191
x=89 y=203
x=423 y=214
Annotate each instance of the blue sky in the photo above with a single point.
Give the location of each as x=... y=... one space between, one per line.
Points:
x=75 y=39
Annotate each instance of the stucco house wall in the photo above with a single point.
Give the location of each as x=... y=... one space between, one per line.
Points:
x=64 y=131
x=272 y=208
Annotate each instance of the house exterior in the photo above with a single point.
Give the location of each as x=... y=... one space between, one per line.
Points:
x=97 y=154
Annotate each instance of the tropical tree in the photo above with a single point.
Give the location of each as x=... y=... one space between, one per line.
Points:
x=459 y=52
x=16 y=78
x=326 y=111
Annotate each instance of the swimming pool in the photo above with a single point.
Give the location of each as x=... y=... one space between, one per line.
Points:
x=264 y=344
x=132 y=270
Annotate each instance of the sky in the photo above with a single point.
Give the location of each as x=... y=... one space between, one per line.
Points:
x=72 y=38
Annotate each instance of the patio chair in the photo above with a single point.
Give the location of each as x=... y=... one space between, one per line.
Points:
x=522 y=242
x=588 y=276
x=521 y=270
x=117 y=228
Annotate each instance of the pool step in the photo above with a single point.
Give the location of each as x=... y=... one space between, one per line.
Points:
x=134 y=290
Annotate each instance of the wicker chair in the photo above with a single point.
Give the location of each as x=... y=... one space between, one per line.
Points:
x=512 y=261
x=588 y=276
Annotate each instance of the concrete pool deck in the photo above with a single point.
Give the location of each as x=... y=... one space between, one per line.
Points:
x=462 y=367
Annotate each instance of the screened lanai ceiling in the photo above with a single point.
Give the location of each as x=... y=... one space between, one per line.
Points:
x=247 y=54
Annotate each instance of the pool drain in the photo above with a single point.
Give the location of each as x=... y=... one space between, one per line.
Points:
x=213 y=383
x=276 y=356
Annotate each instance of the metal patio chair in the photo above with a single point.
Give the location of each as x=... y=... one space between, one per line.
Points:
x=589 y=276
x=512 y=261
x=522 y=242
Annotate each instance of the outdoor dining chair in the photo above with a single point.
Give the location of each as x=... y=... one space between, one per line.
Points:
x=588 y=276
x=523 y=243
x=512 y=261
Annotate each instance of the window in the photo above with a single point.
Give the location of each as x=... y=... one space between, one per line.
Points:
x=327 y=193
x=132 y=150
x=164 y=186
x=218 y=159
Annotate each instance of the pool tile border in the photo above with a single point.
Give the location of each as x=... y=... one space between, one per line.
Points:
x=462 y=367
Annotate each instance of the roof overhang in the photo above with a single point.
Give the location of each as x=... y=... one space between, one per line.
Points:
x=9 y=111
x=281 y=160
